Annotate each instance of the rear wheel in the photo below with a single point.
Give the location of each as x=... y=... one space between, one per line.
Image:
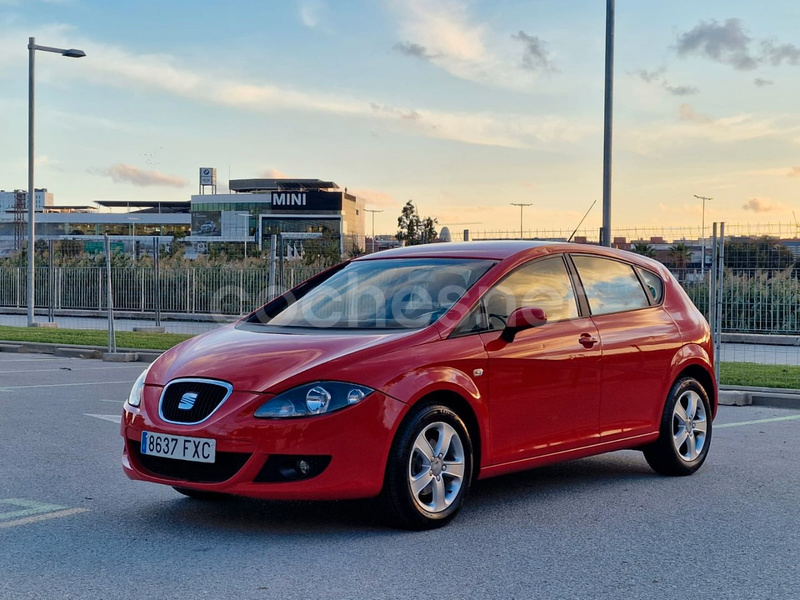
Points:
x=685 y=433
x=200 y=494
x=429 y=470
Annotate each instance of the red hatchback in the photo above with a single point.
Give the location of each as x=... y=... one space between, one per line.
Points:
x=409 y=373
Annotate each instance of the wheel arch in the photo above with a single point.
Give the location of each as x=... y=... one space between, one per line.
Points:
x=705 y=379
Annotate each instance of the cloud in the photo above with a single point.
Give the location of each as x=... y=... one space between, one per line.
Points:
x=376 y=198
x=777 y=54
x=761 y=205
x=794 y=172
x=759 y=82
x=445 y=33
x=681 y=90
x=657 y=78
x=311 y=12
x=535 y=57
x=112 y=66
x=122 y=173
x=414 y=50
x=273 y=174
x=687 y=113
x=726 y=43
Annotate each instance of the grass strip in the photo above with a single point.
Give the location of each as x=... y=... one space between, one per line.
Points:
x=92 y=337
x=756 y=375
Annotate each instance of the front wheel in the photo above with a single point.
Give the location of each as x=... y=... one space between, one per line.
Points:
x=429 y=470
x=685 y=432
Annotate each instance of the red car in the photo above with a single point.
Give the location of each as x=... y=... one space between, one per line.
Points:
x=407 y=374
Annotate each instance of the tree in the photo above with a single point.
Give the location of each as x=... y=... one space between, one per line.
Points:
x=322 y=251
x=644 y=249
x=413 y=229
x=680 y=255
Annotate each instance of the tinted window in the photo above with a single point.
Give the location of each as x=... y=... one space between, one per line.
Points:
x=653 y=284
x=611 y=286
x=544 y=284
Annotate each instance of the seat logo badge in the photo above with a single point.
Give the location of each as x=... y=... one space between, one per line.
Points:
x=187 y=401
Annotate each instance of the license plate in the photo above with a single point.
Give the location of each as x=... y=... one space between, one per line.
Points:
x=179 y=447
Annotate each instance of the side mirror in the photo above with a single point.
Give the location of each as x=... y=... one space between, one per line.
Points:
x=521 y=319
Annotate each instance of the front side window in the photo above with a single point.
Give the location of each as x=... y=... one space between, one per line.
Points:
x=542 y=284
x=611 y=286
x=384 y=294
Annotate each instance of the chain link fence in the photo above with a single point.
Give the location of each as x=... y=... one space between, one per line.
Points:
x=759 y=298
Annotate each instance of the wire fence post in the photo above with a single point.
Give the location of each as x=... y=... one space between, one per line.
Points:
x=112 y=338
x=50 y=283
x=720 y=275
x=273 y=240
x=157 y=281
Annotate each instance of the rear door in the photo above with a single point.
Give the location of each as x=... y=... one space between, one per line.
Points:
x=639 y=340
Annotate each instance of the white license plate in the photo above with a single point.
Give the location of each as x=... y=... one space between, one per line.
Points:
x=179 y=447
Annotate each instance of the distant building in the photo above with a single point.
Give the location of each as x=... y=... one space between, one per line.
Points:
x=8 y=200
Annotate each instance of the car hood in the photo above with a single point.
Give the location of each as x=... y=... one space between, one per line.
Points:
x=259 y=362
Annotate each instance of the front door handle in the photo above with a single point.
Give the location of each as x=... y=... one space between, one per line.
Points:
x=586 y=340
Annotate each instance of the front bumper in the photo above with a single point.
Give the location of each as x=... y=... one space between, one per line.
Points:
x=356 y=439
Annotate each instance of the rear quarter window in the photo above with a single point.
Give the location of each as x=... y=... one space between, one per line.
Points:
x=653 y=284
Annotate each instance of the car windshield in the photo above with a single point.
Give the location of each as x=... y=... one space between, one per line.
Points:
x=384 y=294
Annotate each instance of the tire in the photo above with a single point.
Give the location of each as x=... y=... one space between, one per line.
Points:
x=685 y=431
x=429 y=469
x=200 y=494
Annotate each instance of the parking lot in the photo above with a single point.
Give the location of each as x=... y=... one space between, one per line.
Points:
x=72 y=525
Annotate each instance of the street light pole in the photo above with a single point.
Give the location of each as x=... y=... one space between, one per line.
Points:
x=521 y=206
x=703 y=235
x=373 y=226
x=608 y=114
x=69 y=53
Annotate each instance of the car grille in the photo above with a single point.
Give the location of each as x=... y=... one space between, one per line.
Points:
x=226 y=465
x=191 y=401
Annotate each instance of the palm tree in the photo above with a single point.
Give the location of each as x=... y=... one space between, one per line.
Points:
x=680 y=255
x=644 y=249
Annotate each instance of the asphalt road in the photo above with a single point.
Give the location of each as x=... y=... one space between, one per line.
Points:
x=72 y=525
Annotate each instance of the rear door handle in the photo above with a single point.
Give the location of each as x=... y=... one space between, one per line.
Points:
x=586 y=340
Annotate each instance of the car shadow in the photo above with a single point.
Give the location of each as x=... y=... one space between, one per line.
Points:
x=346 y=517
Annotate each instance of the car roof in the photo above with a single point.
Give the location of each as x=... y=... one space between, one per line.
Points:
x=494 y=250
x=503 y=249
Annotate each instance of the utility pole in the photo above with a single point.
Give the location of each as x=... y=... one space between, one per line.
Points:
x=607 y=123
x=703 y=235
x=373 y=225
x=521 y=206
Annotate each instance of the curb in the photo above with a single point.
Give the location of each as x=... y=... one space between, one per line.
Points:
x=78 y=351
x=738 y=395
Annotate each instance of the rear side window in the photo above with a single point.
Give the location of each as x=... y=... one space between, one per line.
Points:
x=611 y=286
x=653 y=284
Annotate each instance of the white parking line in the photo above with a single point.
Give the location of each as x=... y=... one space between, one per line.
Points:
x=758 y=421
x=112 y=418
x=31 y=511
x=49 y=385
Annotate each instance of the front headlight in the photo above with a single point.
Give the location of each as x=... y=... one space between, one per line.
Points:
x=135 y=397
x=317 y=398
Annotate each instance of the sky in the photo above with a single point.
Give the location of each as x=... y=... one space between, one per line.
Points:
x=463 y=106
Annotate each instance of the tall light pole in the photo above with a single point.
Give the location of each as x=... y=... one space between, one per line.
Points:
x=373 y=225
x=69 y=53
x=607 y=123
x=703 y=235
x=521 y=206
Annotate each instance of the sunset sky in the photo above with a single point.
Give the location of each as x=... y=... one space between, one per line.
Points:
x=463 y=106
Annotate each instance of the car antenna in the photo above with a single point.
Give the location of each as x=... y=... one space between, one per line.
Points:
x=582 y=220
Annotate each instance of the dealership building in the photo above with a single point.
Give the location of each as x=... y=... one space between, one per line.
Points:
x=295 y=210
